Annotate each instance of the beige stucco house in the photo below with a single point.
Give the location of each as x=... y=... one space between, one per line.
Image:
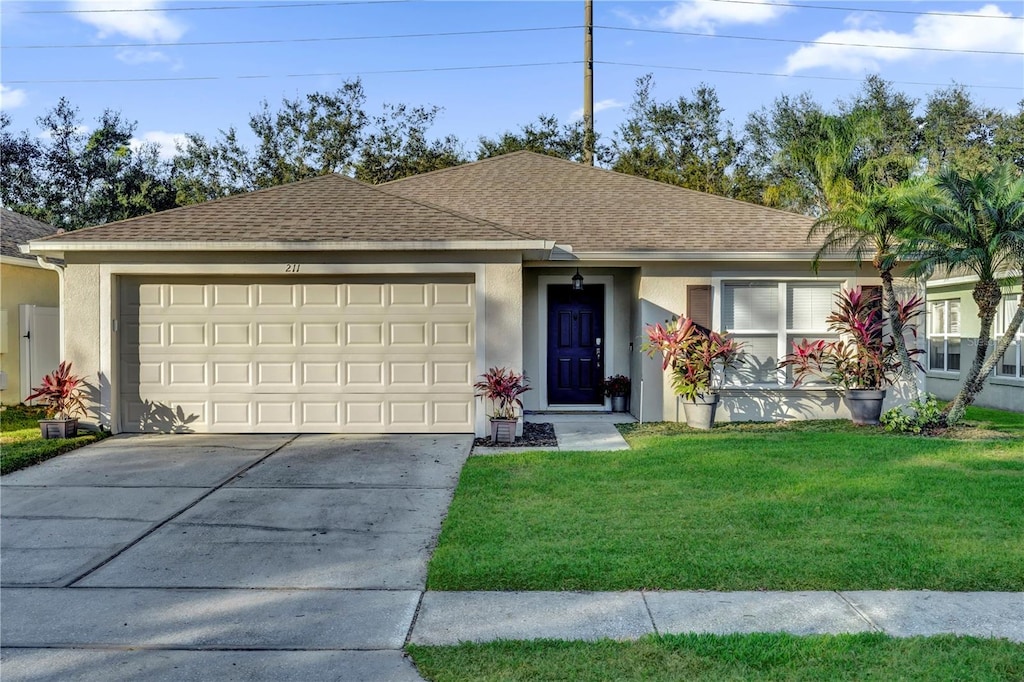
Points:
x=329 y=305
x=29 y=299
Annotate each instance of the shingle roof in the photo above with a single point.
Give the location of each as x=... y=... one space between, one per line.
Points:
x=329 y=208
x=17 y=229
x=593 y=209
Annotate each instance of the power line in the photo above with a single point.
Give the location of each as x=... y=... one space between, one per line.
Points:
x=793 y=75
x=872 y=10
x=807 y=42
x=73 y=81
x=290 y=5
x=274 y=41
x=288 y=75
x=277 y=41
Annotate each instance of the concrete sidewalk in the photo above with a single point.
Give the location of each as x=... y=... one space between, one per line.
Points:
x=452 y=617
x=576 y=432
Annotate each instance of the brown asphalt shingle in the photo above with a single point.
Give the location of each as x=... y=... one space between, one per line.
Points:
x=330 y=208
x=593 y=209
x=18 y=229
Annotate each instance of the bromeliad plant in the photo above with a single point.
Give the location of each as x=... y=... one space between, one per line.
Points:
x=61 y=393
x=865 y=357
x=502 y=386
x=697 y=357
x=616 y=386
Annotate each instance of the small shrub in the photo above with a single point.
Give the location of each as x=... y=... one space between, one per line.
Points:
x=923 y=416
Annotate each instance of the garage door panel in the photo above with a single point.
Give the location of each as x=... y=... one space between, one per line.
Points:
x=270 y=356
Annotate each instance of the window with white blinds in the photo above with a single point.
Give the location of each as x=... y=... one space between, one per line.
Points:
x=1012 y=363
x=944 y=336
x=767 y=317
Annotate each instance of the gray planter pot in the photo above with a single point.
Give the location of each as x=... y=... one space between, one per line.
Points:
x=701 y=413
x=58 y=428
x=865 y=405
x=503 y=430
x=618 y=403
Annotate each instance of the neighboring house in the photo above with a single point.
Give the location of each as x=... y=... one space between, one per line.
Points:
x=952 y=331
x=332 y=305
x=29 y=316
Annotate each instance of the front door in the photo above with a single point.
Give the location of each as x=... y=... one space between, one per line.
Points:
x=575 y=331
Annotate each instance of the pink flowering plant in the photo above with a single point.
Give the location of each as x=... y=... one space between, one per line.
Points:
x=697 y=357
x=502 y=386
x=60 y=393
x=865 y=357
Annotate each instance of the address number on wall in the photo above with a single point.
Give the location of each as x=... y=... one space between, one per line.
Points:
x=292 y=267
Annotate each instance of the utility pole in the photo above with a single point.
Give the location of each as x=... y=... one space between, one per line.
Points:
x=588 y=84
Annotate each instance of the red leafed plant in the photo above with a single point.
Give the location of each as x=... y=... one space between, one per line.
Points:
x=698 y=357
x=502 y=386
x=866 y=356
x=61 y=393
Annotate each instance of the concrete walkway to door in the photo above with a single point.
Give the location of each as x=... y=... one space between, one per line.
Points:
x=222 y=557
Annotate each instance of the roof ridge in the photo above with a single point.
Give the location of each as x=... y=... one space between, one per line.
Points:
x=460 y=166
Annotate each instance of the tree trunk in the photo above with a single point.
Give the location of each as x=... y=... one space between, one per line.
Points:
x=907 y=369
x=987 y=295
x=1004 y=342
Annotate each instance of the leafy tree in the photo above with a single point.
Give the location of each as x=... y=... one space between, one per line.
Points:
x=970 y=223
x=1008 y=141
x=19 y=160
x=399 y=146
x=957 y=132
x=544 y=136
x=202 y=170
x=685 y=142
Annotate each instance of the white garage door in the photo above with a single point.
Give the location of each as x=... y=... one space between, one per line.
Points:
x=358 y=355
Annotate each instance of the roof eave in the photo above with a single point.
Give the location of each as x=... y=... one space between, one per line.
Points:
x=59 y=248
x=648 y=255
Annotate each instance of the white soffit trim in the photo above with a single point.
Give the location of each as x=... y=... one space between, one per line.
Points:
x=967 y=279
x=57 y=246
x=694 y=256
x=27 y=262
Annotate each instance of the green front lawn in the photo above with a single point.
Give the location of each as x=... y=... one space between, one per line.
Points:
x=802 y=506
x=21 y=444
x=716 y=658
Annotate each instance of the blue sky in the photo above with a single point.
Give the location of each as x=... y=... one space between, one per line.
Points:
x=682 y=43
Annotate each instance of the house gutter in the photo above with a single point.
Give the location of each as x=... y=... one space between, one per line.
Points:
x=656 y=256
x=58 y=247
x=59 y=269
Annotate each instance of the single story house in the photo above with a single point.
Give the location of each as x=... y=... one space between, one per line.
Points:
x=29 y=315
x=329 y=305
x=953 y=327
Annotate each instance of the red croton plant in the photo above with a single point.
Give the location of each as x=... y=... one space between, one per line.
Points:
x=697 y=357
x=865 y=356
x=502 y=386
x=61 y=393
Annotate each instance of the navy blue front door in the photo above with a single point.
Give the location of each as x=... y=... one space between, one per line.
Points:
x=575 y=336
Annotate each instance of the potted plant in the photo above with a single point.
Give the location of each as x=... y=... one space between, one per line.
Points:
x=864 y=361
x=698 y=359
x=616 y=387
x=502 y=386
x=61 y=395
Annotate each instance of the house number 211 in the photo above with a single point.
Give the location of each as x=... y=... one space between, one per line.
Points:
x=292 y=267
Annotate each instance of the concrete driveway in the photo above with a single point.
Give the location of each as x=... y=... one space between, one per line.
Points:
x=222 y=557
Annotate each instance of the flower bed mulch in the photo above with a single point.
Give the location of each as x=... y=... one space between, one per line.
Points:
x=534 y=436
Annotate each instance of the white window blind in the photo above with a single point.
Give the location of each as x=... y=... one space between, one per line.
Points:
x=809 y=305
x=753 y=306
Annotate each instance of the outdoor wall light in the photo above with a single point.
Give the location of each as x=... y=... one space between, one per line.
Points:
x=577 y=281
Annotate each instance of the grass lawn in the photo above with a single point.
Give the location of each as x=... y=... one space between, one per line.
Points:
x=730 y=657
x=804 y=506
x=21 y=444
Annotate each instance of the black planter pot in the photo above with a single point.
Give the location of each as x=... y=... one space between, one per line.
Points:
x=865 y=405
x=618 y=403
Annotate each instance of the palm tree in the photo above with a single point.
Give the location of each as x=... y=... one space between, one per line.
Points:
x=868 y=224
x=970 y=224
x=860 y=217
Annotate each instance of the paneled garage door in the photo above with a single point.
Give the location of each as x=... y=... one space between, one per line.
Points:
x=356 y=355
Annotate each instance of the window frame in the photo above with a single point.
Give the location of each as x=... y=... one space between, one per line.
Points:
x=781 y=332
x=945 y=335
x=1018 y=345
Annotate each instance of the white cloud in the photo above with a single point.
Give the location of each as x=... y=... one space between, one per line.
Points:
x=599 y=106
x=166 y=142
x=706 y=15
x=151 y=26
x=11 y=98
x=949 y=32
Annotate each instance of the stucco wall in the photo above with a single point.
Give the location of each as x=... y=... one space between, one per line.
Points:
x=21 y=285
x=82 y=330
x=1003 y=393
